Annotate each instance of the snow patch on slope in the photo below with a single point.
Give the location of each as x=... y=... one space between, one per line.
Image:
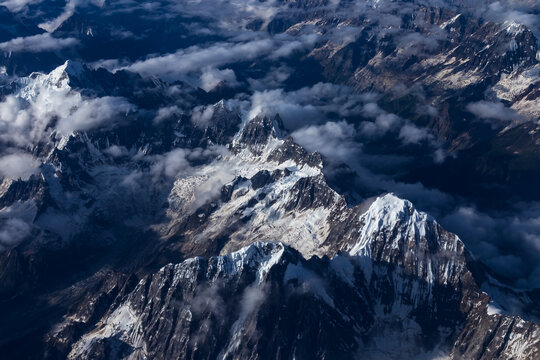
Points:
x=122 y=323
x=260 y=255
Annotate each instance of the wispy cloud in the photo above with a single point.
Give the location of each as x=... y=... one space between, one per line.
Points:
x=18 y=5
x=493 y=112
x=200 y=59
x=37 y=43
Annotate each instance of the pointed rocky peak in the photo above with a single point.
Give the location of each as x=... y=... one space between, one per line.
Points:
x=72 y=68
x=67 y=73
x=451 y=22
x=514 y=28
x=73 y=157
x=34 y=191
x=393 y=231
x=220 y=105
x=383 y=215
x=220 y=123
x=222 y=115
x=256 y=253
x=260 y=129
x=265 y=135
x=290 y=150
x=392 y=209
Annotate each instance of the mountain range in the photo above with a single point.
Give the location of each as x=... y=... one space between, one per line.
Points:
x=262 y=179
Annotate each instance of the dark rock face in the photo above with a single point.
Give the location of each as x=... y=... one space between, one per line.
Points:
x=266 y=300
x=206 y=309
x=310 y=193
x=222 y=126
x=258 y=131
x=290 y=150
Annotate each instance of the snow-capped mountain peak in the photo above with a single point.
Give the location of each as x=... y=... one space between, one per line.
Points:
x=65 y=73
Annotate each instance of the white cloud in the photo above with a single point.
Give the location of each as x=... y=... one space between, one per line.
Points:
x=289 y=45
x=211 y=77
x=309 y=105
x=495 y=113
x=18 y=166
x=272 y=79
x=208 y=300
x=202 y=115
x=12 y=231
x=178 y=161
x=166 y=112
x=196 y=59
x=18 y=5
x=384 y=122
x=390 y=123
x=343 y=35
x=492 y=111
x=116 y=151
x=67 y=12
x=411 y=134
x=174 y=66
x=210 y=189
x=252 y=298
x=89 y=114
x=172 y=164
x=335 y=140
x=277 y=102
x=37 y=43
x=231 y=14
x=24 y=121
x=415 y=43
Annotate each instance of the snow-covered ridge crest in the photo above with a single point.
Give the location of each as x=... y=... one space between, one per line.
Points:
x=220 y=295
x=285 y=198
x=62 y=74
x=41 y=108
x=59 y=79
x=386 y=213
x=259 y=136
x=393 y=231
x=257 y=179
x=260 y=255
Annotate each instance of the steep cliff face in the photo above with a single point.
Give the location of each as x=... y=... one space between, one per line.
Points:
x=266 y=300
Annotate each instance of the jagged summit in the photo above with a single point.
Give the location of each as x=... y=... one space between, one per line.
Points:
x=389 y=211
x=235 y=305
x=69 y=71
x=261 y=256
x=258 y=131
x=66 y=76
